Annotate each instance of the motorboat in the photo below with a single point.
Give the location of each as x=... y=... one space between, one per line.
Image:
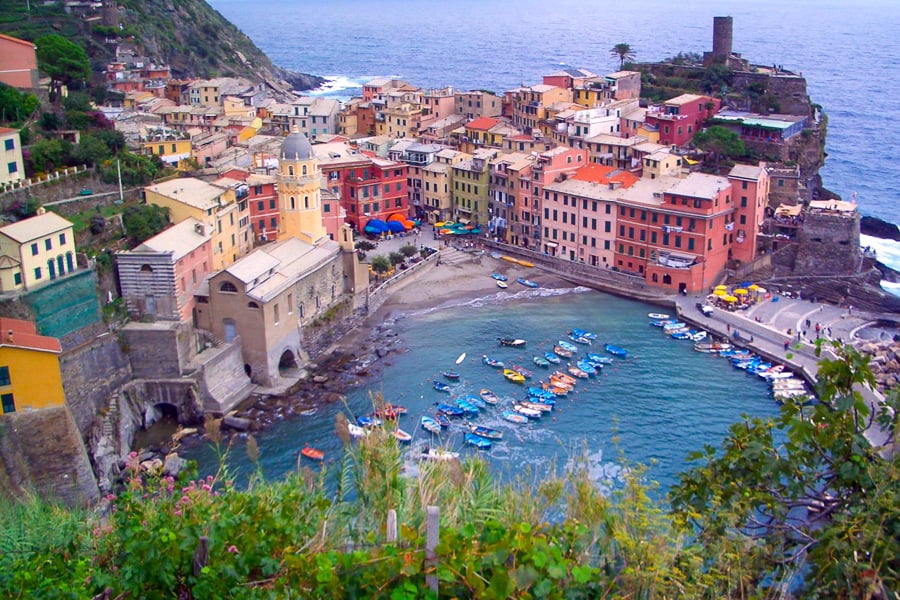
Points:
x=568 y=346
x=657 y=316
x=541 y=362
x=478 y=441
x=491 y=362
x=552 y=357
x=579 y=339
x=616 y=351
x=450 y=411
x=451 y=375
x=583 y=333
x=312 y=453
x=514 y=417
x=511 y=342
x=440 y=386
x=401 y=436
x=531 y=413
x=560 y=351
x=599 y=358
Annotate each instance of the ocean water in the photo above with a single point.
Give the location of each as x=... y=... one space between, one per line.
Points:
x=654 y=407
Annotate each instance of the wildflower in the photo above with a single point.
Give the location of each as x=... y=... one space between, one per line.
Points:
x=233 y=549
x=177 y=513
x=206 y=487
x=132 y=454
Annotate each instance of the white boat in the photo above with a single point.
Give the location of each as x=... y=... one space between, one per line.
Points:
x=437 y=454
x=502 y=285
x=531 y=413
x=699 y=336
x=401 y=436
x=357 y=431
x=675 y=325
x=658 y=316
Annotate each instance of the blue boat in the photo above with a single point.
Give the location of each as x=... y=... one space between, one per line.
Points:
x=663 y=322
x=541 y=362
x=599 y=358
x=478 y=441
x=567 y=346
x=514 y=417
x=442 y=419
x=368 y=421
x=587 y=366
x=468 y=408
x=440 y=386
x=579 y=339
x=450 y=410
x=588 y=335
x=527 y=282
x=499 y=276
x=430 y=425
x=486 y=432
x=552 y=357
x=491 y=362
x=615 y=350
x=681 y=335
x=451 y=375
x=475 y=401
x=489 y=397
x=536 y=392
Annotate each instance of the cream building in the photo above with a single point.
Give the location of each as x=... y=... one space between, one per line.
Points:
x=12 y=168
x=299 y=190
x=36 y=250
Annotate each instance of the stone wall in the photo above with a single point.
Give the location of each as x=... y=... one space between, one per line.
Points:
x=159 y=350
x=90 y=373
x=829 y=244
x=221 y=378
x=42 y=452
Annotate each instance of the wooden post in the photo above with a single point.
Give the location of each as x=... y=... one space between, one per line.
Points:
x=432 y=537
x=392 y=526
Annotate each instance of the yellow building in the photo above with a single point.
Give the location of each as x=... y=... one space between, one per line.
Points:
x=30 y=377
x=172 y=148
x=12 y=168
x=300 y=191
x=36 y=250
x=215 y=207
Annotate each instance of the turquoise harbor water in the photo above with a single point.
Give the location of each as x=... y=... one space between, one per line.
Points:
x=662 y=402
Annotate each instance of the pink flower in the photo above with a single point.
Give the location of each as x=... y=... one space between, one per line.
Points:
x=233 y=549
x=177 y=513
x=206 y=487
x=132 y=454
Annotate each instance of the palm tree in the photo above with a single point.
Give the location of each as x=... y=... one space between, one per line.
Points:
x=624 y=52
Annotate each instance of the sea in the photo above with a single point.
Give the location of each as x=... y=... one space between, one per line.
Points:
x=666 y=400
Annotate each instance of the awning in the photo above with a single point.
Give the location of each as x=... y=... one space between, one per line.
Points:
x=551 y=244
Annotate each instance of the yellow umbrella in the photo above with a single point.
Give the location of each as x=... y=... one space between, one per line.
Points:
x=740 y=292
x=721 y=287
x=441 y=224
x=753 y=288
x=729 y=298
x=720 y=293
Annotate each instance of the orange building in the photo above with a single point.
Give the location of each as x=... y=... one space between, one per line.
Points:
x=18 y=63
x=30 y=376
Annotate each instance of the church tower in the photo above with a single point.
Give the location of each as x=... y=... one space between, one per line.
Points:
x=299 y=191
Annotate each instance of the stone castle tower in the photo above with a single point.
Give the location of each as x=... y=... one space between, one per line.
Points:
x=299 y=191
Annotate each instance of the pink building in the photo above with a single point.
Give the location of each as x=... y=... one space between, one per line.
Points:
x=680 y=118
x=750 y=189
x=18 y=63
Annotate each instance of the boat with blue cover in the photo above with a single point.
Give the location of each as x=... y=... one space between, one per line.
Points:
x=579 y=340
x=587 y=366
x=475 y=401
x=514 y=417
x=567 y=346
x=467 y=407
x=478 y=441
x=368 y=421
x=450 y=410
x=430 y=425
x=552 y=357
x=584 y=333
x=491 y=362
x=536 y=392
x=486 y=432
x=599 y=358
x=616 y=350
x=527 y=282
x=440 y=386
x=541 y=362
x=499 y=276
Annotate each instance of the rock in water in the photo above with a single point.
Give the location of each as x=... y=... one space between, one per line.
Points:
x=879 y=228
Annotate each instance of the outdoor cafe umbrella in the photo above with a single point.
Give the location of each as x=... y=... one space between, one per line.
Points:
x=740 y=292
x=729 y=298
x=721 y=287
x=720 y=293
x=753 y=288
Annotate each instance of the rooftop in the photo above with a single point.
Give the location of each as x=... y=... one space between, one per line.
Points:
x=190 y=191
x=179 y=239
x=36 y=227
x=700 y=185
x=482 y=123
x=16 y=333
x=751 y=172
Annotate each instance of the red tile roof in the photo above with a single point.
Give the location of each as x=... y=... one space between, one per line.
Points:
x=603 y=174
x=16 y=40
x=482 y=123
x=15 y=333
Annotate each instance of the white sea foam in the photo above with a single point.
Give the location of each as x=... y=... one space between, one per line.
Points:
x=499 y=298
x=888 y=252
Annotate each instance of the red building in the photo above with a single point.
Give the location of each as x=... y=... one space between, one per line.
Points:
x=263 y=202
x=678 y=119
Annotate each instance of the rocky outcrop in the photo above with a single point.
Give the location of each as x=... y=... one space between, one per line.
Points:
x=885 y=363
x=879 y=228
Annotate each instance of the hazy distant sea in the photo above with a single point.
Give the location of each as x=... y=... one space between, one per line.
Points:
x=849 y=52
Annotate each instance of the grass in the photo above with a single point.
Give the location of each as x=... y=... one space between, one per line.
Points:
x=82 y=220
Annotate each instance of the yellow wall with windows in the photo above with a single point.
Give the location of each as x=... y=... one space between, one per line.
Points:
x=35 y=380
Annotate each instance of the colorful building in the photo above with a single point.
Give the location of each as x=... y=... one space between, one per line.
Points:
x=12 y=167
x=263 y=202
x=18 y=63
x=471 y=187
x=299 y=191
x=750 y=185
x=36 y=250
x=30 y=377
x=475 y=104
x=679 y=119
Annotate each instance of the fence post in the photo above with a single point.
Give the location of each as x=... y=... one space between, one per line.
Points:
x=432 y=537
x=392 y=526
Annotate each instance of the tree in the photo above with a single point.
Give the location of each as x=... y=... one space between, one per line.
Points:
x=396 y=258
x=364 y=245
x=15 y=106
x=91 y=150
x=408 y=250
x=46 y=155
x=624 y=52
x=381 y=264
x=720 y=142
x=143 y=221
x=804 y=492
x=64 y=61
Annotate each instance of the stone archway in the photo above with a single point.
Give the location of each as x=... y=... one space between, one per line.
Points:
x=287 y=364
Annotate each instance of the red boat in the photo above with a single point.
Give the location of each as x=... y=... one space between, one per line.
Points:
x=314 y=454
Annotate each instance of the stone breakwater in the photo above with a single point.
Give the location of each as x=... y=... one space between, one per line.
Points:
x=885 y=363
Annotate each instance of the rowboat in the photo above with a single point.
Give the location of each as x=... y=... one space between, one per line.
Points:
x=674 y=325
x=579 y=339
x=450 y=410
x=489 y=397
x=522 y=371
x=657 y=316
x=576 y=372
x=587 y=366
x=514 y=417
x=511 y=342
x=590 y=335
x=467 y=407
x=440 y=386
x=541 y=393
x=699 y=336
x=541 y=362
x=442 y=419
x=312 y=453
x=451 y=375
x=538 y=406
x=357 y=431
x=475 y=401
x=662 y=323
x=552 y=357
x=531 y=413
x=499 y=276
x=390 y=411
x=491 y=362
x=486 y=432
x=558 y=386
x=599 y=358
x=478 y=441
x=430 y=425
x=513 y=376
x=527 y=282
x=560 y=351
x=568 y=346
x=563 y=377
x=615 y=350
x=401 y=436
x=502 y=285
x=525 y=263
x=437 y=454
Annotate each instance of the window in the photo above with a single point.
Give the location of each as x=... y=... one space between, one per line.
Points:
x=34 y=249
x=260 y=205
x=690 y=243
x=17 y=278
x=9 y=404
x=290 y=300
x=326 y=207
x=743 y=200
x=228 y=288
x=9 y=144
x=37 y=272
x=275 y=311
x=4 y=376
x=272 y=203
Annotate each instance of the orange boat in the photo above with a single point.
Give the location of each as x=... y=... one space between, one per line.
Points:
x=310 y=452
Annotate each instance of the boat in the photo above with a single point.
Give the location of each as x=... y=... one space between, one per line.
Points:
x=538 y=406
x=560 y=351
x=513 y=376
x=450 y=411
x=559 y=387
x=525 y=263
x=440 y=386
x=511 y=342
x=508 y=259
x=681 y=335
x=313 y=453
x=451 y=375
x=576 y=372
x=531 y=413
x=522 y=371
x=552 y=357
x=357 y=431
x=537 y=392
x=490 y=397
x=502 y=285
x=579 y=339
x=663 y=322
x=499 y=276
x=699 y=336
x=514 y=417
x=369 y=421
x=468 y=408
x=567 y=346
x=486 y=432
x=430 y=425
x=563 y=377
x=442 y=419
x=615 y=350
x=675 y=325
x=475 y=401
x=401 y=436
x=527 y=282
x=712 y=347
x=491 y=362
x=584 y=333
x=599 y=358
x=541 y=362
x=460 y=358
x=390 y=412
x=587 y=366
x=437 y=454
x=478 y=441
x=657 y=316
